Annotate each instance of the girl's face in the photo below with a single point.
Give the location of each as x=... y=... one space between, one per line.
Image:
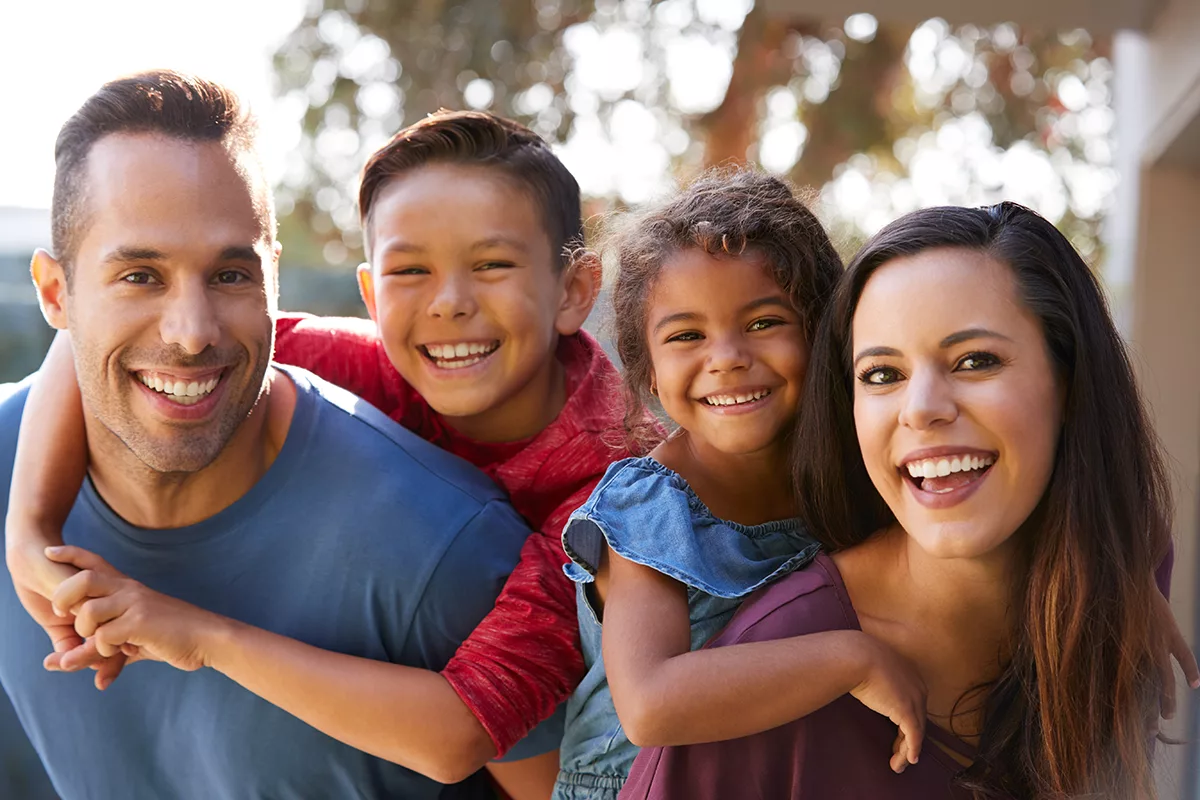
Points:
x=727 y=350
x=956 y=401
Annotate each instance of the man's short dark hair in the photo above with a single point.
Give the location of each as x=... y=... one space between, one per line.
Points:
x=164 y=102
x=476 y=137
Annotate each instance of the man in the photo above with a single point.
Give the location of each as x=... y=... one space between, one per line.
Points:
x=261 y=494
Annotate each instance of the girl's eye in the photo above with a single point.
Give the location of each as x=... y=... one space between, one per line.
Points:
x=686 y=336
x=138 y=278
x=973 y=362
x=879 y=376
x=764 y=324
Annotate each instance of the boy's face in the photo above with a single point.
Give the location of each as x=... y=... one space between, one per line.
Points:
x=469 y=297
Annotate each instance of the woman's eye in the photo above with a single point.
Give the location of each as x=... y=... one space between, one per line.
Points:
x=977 y=361
x=879 y=376
x=763 y=324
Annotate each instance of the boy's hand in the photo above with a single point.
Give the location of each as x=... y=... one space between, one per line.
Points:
x=1172 y=645
x=116 y=614
x=35 y=578
x=894 y=689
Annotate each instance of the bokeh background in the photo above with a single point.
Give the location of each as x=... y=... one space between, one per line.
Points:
x=881 y=108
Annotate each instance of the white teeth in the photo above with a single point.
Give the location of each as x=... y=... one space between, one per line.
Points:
x=941 y=467
x=443 y=352
x=734 y=400
x=185 y=393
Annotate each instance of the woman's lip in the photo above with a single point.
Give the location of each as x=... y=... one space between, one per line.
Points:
x=945 y=450
x=947 y=499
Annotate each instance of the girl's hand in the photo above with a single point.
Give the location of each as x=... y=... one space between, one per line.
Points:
x=1172 y=645
x=118 y=615
x=892 y=687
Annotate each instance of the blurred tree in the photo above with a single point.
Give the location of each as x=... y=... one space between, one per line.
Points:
x=886 y=118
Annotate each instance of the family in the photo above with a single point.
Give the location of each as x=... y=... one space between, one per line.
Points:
x=894 y=529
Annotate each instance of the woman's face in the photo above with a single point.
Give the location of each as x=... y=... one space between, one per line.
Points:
x=956 y=401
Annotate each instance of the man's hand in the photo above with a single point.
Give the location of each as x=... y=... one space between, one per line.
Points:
x=895 y=689
x=118 y=615
x=35 y=577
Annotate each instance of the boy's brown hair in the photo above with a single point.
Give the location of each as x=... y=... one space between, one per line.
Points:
x=476 y=137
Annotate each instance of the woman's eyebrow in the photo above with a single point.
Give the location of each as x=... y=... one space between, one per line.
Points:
x=872 y=352
x=969 y=334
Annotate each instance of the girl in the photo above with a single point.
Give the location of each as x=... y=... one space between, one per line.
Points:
x=717 y=296
x=977 y=459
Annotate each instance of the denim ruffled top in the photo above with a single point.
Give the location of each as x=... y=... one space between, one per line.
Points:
x=649 y=514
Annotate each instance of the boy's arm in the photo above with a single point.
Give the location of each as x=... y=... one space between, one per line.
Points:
x=665 y=695
x=345 y=351
x=403 y=714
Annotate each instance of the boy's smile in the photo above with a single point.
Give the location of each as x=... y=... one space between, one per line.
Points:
x=470 y=297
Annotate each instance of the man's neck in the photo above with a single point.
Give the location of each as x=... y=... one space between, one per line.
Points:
x=151 y=499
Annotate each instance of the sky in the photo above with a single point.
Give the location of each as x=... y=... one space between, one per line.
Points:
x=48 y=68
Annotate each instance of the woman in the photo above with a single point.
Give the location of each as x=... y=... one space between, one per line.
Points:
x=975 y=456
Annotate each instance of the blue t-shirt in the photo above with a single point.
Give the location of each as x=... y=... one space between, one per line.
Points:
x=650 y=515
x=361 y=538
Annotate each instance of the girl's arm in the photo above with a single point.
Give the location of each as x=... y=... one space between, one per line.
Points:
x=666 y=695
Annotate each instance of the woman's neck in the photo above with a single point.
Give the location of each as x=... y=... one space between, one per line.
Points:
x=748 y=488
x=951 y=617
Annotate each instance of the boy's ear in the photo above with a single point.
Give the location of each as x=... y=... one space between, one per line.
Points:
x=366 y=288
x=580 y=290
x=50 y=280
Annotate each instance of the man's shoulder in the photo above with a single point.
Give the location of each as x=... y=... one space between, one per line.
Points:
x=377 y=446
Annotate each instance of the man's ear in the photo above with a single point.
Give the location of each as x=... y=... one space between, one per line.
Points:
x=581 y=287
x=50 y=280
x=366 y=288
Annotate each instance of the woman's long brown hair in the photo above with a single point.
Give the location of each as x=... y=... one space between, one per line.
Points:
x=1071 y=711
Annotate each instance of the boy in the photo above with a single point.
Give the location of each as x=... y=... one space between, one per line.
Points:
x=469 y=222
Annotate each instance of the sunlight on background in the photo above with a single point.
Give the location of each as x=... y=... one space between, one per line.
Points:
x=55 y=53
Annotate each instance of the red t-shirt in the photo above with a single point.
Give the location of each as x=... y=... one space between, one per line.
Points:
x=524 y=658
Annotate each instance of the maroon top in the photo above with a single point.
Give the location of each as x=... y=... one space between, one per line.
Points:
x=841 y=750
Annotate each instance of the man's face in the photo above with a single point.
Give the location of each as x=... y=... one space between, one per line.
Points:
x=170 y=300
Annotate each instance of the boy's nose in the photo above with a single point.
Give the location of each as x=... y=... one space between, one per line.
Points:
x=452 y=299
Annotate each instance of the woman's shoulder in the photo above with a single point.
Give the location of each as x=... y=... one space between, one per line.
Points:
x=809 y=600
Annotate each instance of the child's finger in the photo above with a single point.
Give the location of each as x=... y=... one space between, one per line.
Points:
x=94 y=612
x=898 y=762
x=108 y=671
x=1183 y=654
x=78 y=557
x=913 y=730
x=79 y=587
x=81 y=657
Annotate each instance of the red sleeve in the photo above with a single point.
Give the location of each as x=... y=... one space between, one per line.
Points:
x=345 y=351
x=524 y=658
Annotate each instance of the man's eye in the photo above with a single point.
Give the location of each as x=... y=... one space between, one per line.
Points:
x=231 y=277
x=138 y=278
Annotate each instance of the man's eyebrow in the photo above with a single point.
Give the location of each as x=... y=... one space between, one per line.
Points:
x=240 y=253
x=969 y=334
x=125 y=255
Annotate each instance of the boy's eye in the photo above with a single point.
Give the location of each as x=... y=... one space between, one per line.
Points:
x=879 y=376
x=973 y=362
x=764 y=324
x=407 y=271
x=493 y=265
